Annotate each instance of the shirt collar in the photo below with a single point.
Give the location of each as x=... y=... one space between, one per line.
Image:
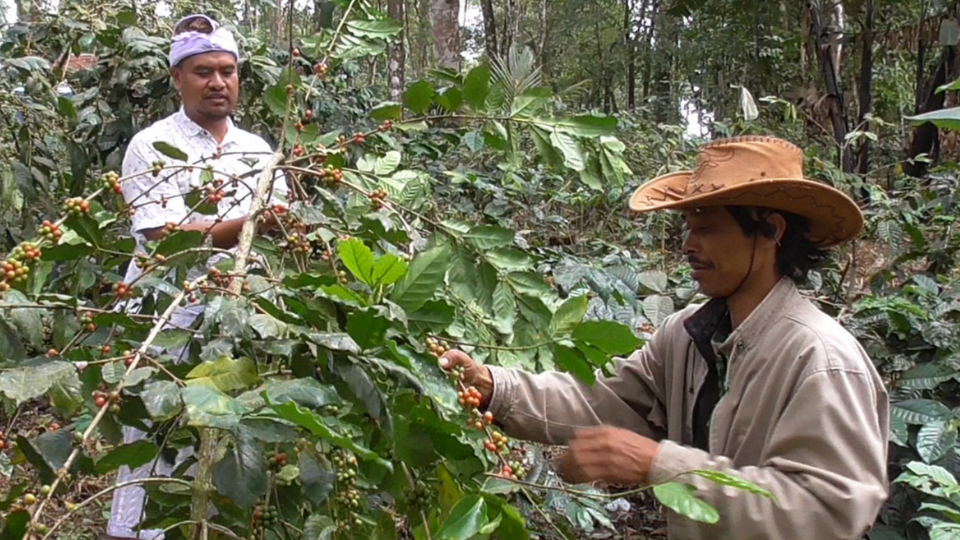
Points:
x=192 y=129
x=705 y=326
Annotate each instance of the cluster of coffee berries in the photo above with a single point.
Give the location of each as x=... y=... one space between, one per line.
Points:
x=497 y=442
x=358 y=138
x=326 y=254
x=14 y=271
x=26 y=251
x=331 y=174
x=105 y=350
x=320 y=69
x=86 y=321
x=171 y=227
x=122 y=291
x=50 y=231
x=350 y=498
x=512 y=470
x=157 y=167
x=128 y=357
x=298 y=126
x=263 y=517
x=298 y=150
x=110 y=180
x=4 y=443
x=377 y=197
x=276 y=460
x=437 y=348
x=420 y=496
x=213 y=194
x=346 y=468
x=385 y=126
x=469 y=398
x=102 y=398
x=342 y=277
x=76 y=206
x=298 y=242
x=217 y=277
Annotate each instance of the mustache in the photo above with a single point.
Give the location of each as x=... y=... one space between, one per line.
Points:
x=693 y=260
x=216 y=95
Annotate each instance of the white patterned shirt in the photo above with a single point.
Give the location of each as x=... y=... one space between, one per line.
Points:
x=160 y=199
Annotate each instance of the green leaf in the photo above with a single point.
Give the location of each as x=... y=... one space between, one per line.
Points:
x=336 y=341
x=568 y=316
x=27 y=321
x=172 y=340
x=489 y=237
x=358 y=258
x=387 y=163
x=388 y=269
x=417 y=96
x=48 y=452
x=367 y=328
x=466 y=519
x=570 y=148
x=317 y=482
x=276 y=99
x=476 y=86
x=378 y=29
x=85 y=227
x=170 y=151
x=920 y=411
x=729 y=480
x=208 y=407
x=943 y=119
x=242 y=473
x=15 y=525
x=588 y=125
x=319 y=527
x=681 y=499
x=509 y=259
x=314 y=424
x=225 y=374
x=422 y=278
x=26 y=383
x=267 y=326
x=926 y=376
x=935 y=439
x=657 y=308
x=548 y=153
x=573 y=361
x=162 y=400
x=434 y=316
x=611 y=337
x=945 y=531
x=306 y=392
x=132 y=455
x=179 y=241
x=10 y=346
x=363 y=387
x=473 y=140
x=388 y=110
x=504 y=307
x=450 y=99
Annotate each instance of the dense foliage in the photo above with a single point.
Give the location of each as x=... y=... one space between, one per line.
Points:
x=484 y=211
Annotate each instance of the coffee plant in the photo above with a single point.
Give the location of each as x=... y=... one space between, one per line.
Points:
x=310 y=402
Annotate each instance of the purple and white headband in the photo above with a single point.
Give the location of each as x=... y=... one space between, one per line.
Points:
x=191 y=43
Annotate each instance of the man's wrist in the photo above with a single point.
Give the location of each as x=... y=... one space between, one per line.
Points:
x=485 y=385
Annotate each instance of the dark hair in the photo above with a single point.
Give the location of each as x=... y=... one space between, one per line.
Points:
x=796 y=255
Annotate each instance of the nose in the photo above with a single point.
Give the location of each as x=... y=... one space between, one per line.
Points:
x=688 y=247
x=216 y=81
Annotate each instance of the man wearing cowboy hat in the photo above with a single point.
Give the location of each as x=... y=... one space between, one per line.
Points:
x=757 y=382
x=204 y=65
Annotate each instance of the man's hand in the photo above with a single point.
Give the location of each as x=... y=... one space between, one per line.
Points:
x=611 y=455
x=474 y=374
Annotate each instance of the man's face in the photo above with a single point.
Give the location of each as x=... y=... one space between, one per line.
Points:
x=717 y=250
x=208 y=84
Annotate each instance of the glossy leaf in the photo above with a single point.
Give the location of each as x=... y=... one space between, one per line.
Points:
x=425 y=273
x=682 y=499
x=610 y=337
x=465 y=519
x=358 y=259
x=170 y=151
x=132 y=455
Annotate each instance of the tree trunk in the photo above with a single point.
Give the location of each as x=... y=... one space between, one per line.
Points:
x=648 y=39
x=834 y=97
x=444 y=18
x=511 y=24
x=396 y=61
x=542 y=35
x=490 y=28
x=865 y=91
x=921 y=59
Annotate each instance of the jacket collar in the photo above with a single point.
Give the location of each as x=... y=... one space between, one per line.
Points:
x=704 y=323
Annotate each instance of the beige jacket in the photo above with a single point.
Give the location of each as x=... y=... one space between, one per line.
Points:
x=805 y=417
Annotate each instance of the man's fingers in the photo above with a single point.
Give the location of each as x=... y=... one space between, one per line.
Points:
x=453 y=358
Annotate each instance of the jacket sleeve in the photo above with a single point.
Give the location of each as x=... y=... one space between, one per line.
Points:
x=827 y=471
x=549 y=407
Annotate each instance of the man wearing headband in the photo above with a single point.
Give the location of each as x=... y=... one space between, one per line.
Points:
x=757 y=382
x=204 y=61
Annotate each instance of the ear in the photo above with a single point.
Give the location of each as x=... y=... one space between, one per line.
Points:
x=779 y=224
x=176 y=72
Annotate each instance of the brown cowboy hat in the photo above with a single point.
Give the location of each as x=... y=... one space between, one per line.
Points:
x=755 y=171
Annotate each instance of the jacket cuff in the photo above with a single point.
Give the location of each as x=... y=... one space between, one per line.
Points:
x=673 y=459
x=504 y=392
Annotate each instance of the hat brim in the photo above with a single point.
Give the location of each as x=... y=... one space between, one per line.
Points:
x=834 y=217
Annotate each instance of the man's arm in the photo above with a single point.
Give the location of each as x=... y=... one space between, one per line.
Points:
x=825 y=467
x=224 y=233
x=550 y=407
